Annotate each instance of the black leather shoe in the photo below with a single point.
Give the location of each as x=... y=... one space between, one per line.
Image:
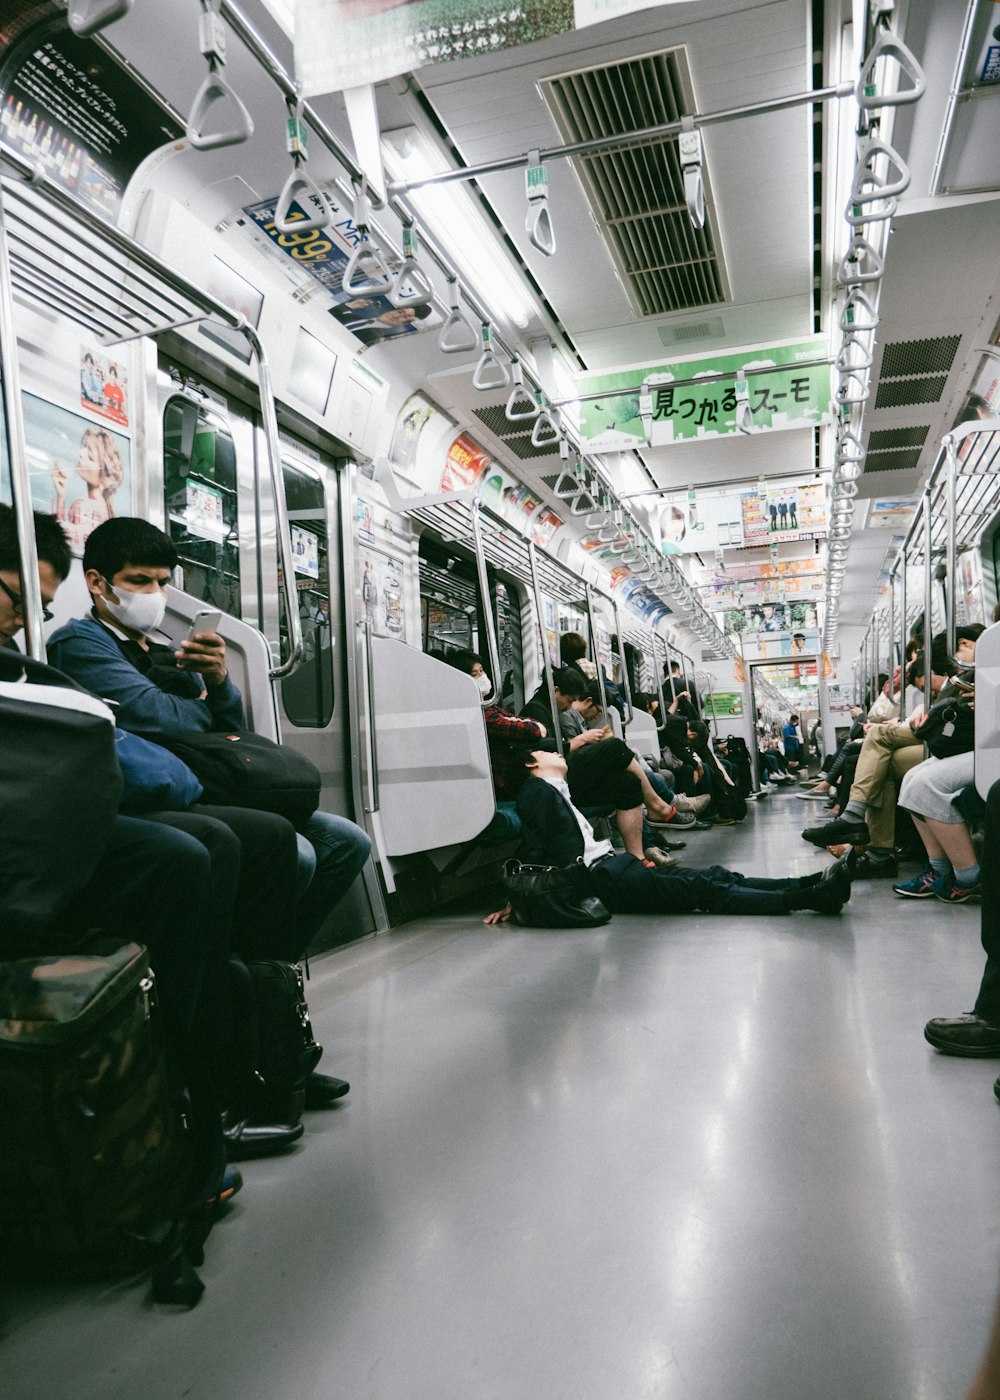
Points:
x=828 y=896
x=845 y=865
x=869 y=867
x=847 y=829
x=245 y=1140
x=996 y=1087
x=322 y=1090
x=970 y=1036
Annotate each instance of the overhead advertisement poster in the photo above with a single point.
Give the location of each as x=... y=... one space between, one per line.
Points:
x=72 y=110
x=346 y=43
x=784 y=513
x=789 y=396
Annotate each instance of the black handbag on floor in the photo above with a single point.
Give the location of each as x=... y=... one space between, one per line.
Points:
x=277 y=1042
x=246 y=770
x=552 y=896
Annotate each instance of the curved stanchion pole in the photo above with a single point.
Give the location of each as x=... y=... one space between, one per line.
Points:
x=928 y=596
x=593 y=640
x=20 y=480
x=296 y=648
x=951 y=555
x=661 y=728
x=484 y=592
x=536 y=588
x=621 y=651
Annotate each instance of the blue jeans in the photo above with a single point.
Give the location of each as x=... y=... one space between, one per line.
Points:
x=332 y=853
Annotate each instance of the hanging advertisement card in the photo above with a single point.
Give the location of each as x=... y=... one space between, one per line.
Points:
x=789 y=396
x=788 y=513
x=464 y=464
x=103 y=385
x=70 y=108
x=380 y=584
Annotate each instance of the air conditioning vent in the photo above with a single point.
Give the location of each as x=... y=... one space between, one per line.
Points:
x=516 y=436
x=896 y=393
x=909 y=357
x=637 y=193
x=890 y=439
x=713 y=329
x=892 y=461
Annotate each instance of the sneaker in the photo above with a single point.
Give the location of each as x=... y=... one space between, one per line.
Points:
x=920 y=887
x=230 y=1184
x=949 y=891
x=678 y=819
x=813 y=796
x=683 y=803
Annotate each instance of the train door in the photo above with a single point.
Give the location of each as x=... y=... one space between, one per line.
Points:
x=313 y=701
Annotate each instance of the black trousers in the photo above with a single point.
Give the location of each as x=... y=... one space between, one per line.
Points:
x=627 y=886
x=598 y=775
x=254 y=862
x=988 y=1001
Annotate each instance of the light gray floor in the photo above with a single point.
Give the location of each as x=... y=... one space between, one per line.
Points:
x=667 y=1158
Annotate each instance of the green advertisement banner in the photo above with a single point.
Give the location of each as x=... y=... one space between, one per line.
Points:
x=724 y=704
x=790 y=396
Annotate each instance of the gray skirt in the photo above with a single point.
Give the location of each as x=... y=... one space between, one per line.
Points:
x=930 y=789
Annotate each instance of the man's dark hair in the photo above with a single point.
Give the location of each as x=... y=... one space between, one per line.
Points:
x=463 y=660
x=675 y=666
x=127 y=540
x=969 y=631
x=793 y=719
x=572 y=646
x=915 y=670
x=513 y=761
x=593 y=693
x=51 y=544
x=568 y=681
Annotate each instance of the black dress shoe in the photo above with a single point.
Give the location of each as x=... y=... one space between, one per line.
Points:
x=835 y=833
x=970 y=1036
x=245 y=1140
x=826 y=897
x=869 y=867
x=322 y=1090
x=845 y=865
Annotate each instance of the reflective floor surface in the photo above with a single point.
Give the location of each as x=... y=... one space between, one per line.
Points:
x=683 y=1157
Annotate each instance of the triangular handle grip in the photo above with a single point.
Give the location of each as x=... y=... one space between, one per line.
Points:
x=694 y=195
x=521 y=405
x=889 y=45
x=214 y=90
x=546 y=432
x=491 y=372
x=848 y=362
x=367 y=273
x=87 y=17
x=538 y=223
x=458 y=334
x=849 y=273
x=867 y=188
x=411 y=287
x=856 y=302
x=299 y=187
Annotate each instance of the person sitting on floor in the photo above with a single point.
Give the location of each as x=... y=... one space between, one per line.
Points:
x=557 y=833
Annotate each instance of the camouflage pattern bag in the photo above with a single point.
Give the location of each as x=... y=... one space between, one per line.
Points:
x=95 y=1166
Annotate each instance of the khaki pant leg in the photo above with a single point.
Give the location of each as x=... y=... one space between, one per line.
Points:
x=877 y=751
x=882 y=819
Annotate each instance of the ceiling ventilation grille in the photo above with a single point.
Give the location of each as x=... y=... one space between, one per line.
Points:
x=919 y=356
x=887 y=439
x=893 y=461
x=637 y=194
x=516 y=436
x=714 y=327
x=897 y=393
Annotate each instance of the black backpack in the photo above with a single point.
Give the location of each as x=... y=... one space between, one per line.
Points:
x=60 y=785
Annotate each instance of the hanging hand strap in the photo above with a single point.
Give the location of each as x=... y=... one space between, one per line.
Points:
x=299 y=188
x=215 y=91
x=888 y=45
x=458 y=334
x=691 y=152
x=538 y=220
x=412 y=286
x=491 y=372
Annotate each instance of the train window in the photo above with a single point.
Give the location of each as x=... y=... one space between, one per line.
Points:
x=307 y=695
x=199 y=467
x=451 y=613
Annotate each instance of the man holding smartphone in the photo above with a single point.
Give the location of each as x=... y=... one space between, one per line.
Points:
x=163 y=692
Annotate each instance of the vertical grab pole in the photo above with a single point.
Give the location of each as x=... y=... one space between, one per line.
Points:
x=661 y=728
x=711 y=696
x=901 y=565
x=667 y=657
x=597 y=659
x=31 y=591
x=928 y=598
x=625 y=679
x=296 y=648
x=484 y=593
x=546 y=659
x=950 y=556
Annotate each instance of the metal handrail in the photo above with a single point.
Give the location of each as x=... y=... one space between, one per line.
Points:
x=484 y=593
x=593 y=641
x=928 y=598
x=625 y=679
x=546 y=659
x=373 y=783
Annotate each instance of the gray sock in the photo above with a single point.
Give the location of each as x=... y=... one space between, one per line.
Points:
x=855 y=809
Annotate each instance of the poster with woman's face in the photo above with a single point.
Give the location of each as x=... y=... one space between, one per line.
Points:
x=79 y=472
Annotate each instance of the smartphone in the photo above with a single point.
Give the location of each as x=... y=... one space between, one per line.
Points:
x=962 y=685
x=205 y=620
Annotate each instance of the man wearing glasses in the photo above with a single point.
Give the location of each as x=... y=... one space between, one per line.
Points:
x=53 y=566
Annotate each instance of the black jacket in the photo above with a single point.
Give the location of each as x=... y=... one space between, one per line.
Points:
x=552 y=835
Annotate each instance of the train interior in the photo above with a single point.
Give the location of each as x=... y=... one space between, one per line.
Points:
x=673 y=325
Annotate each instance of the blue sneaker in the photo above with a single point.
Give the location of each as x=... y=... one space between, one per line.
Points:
x=920 y=887
x=949 y=891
